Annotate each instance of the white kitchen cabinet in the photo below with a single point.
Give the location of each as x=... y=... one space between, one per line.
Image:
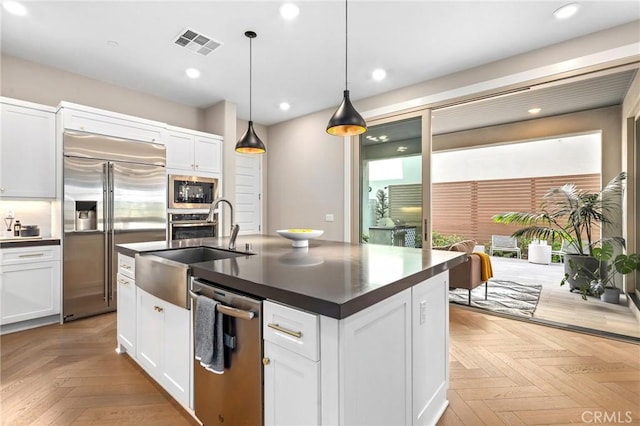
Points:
x=430 y=351
x=29 y=283
x=126 y=311
x=101 y=122
x=163 y=344
x=193 y=151
x=291 y=388
x=27 y=150
x=291 y=366
x=387 y=364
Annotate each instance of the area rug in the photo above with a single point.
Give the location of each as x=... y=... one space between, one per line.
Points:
x=505 y=297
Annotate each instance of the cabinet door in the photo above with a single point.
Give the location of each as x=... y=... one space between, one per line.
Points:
x=180 y=151
x=126 y=315
x=176 y=365
x=291 y=388
x=207 y=155
x=430 y=312
x=150 y=333
x=375 y=349
x=29 y=291
x=27 y=153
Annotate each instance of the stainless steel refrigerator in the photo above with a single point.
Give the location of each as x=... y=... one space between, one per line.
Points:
x=114 y=193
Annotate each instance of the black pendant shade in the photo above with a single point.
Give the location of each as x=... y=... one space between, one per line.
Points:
x=250 y=143
x=346 y=121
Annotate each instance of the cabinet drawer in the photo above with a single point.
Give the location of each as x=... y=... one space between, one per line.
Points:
x=127 y=266
x=292 y=329
x=124 y=280
x=25 y=255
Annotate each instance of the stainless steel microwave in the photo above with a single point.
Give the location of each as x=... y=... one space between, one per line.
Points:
x=192 y=192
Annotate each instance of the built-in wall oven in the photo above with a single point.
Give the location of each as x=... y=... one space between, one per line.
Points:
x=192 y=225
x=192 y=192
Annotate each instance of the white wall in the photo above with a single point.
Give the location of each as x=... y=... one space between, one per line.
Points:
x=551 y=157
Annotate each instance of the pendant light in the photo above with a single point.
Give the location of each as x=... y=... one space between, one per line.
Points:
x=346 y=121
x=250 y=143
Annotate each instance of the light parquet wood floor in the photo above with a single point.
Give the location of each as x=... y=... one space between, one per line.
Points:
x=71 y=375
x=512 y=372
x=502 y=372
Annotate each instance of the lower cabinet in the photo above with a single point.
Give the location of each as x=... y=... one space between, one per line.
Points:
x=29 y=283
x=126 y=313
x=163 y=346
x=387 y=364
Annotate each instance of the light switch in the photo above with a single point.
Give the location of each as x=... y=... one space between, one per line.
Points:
x=328 y=218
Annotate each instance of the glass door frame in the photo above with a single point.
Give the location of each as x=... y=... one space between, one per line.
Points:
x=356 y=173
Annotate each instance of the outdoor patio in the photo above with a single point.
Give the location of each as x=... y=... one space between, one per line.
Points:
x=560 y=306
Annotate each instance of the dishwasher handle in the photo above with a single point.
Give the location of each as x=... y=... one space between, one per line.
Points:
x=228 y=310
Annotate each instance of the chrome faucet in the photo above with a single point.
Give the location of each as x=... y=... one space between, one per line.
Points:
x=234 y=227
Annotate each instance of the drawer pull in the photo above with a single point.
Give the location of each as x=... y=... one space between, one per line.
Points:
x=32 y=255
x=297 y=334
x=157 y=308
x=123 y=282
x=123 y=266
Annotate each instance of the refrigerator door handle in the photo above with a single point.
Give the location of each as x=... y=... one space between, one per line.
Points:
x=105 y=227
x=110 y=251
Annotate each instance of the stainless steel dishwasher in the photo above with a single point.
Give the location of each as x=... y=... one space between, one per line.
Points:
x=234 y=397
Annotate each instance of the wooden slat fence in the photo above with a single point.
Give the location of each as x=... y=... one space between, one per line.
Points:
x=465 y=208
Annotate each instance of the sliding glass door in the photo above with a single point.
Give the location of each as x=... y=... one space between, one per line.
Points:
x=391 y=181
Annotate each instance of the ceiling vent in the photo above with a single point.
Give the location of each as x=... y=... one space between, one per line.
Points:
x=196 y=42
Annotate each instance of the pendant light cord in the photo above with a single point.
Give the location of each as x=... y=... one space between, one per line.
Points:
x=346 y=43
x=250 y=73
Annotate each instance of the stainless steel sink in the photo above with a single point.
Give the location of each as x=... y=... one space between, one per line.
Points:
x=166 y=273
x=196 y=254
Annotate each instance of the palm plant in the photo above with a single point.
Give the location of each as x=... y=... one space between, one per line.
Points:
x=570 y=214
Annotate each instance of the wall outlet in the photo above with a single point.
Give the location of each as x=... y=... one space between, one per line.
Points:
x=328 y=218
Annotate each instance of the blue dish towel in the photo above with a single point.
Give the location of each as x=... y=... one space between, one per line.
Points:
x=209 y=335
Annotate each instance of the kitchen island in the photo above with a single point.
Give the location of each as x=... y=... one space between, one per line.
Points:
x=372 y=345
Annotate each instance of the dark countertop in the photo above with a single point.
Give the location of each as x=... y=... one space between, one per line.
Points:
x=28 y=242
x=331 y=278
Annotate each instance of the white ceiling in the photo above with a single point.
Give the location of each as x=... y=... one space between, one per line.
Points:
x=301 y=61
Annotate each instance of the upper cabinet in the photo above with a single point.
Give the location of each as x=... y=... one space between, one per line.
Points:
x=27 y=150
x=194 y=152
x=92 y=120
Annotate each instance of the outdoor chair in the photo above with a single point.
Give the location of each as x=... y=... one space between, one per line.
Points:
x=504 y=243
x=469 y=274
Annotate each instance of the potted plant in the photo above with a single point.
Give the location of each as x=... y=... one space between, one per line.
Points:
x=606 y=288
x=572 y=215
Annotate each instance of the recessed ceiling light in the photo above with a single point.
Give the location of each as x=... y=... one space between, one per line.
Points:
x=289 y=11
x=284 y=106
x=535 y=110
x=379 y=74
x=112 y=43
x=14 y=7
x=566 y=11
x=192 y=73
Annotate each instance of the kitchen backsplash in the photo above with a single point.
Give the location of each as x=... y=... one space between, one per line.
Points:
x=29 y=213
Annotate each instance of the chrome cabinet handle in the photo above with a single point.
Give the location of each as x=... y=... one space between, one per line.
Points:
x=297 y=334
x=157 y=308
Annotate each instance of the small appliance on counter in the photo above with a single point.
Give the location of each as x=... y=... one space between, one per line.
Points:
x=29 y=231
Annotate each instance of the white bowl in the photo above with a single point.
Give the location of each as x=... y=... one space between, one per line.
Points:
x=300 y=237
